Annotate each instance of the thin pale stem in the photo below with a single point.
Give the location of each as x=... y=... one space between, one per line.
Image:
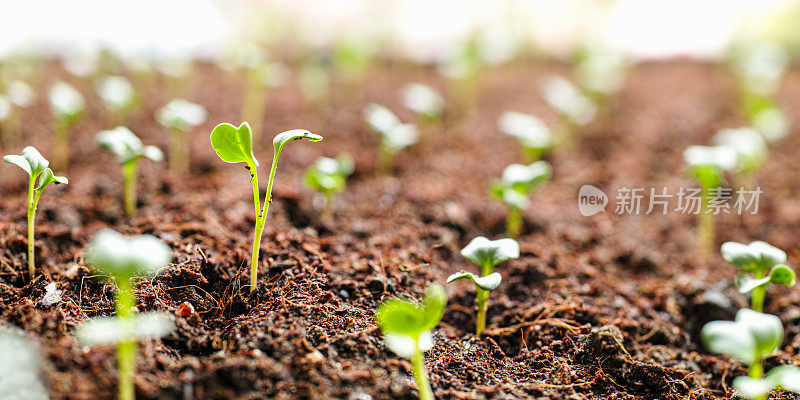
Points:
x=179 y=152
x=421 y=376
x=129 y=186
x=61 y=143
x=705 y=224
x=33 y=199
x=759 y=293
x=126 y=349
x=482 y=302
x=260 y=222
x=514 y=222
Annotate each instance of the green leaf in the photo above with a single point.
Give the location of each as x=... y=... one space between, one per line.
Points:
x=19 y=161
x=107 y=330
x=751 y=388
x=47 y=177
x=782 y=274
x=126 y=257
x=433 y=305
x=234 y=144
x=489 y=253
x=181 y=115
x=403 y=322
x=756 y=256
x=524 y=178
x=282 y=139
x=766 y=329
x=787 y=377
x=489 y=282
x=730 y=339
x=746 y=283
x=126 y=145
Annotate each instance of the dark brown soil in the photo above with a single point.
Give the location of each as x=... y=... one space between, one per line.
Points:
x=607 y=306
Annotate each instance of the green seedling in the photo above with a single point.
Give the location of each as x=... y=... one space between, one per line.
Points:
x=395 y=136
x=21 y=374
x=36 y=166
x=118 y=96
x=423 y=100
x=517 y=182
x=18 y=95
x=125 y=258
x=761 y=265
x=599 y=70
x=328 y=176
x=235 y=145
x=407 y=327
x=750 y=338
x=750 y=147
x=534 y=136
x=707 y=165
x=68 y=106
x=180 y=116
x=760 y=68
x=486 y=254
x=573 y=106
x=129 y=149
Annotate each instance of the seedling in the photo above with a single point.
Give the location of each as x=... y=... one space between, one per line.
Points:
x=68 y=106
x=423 y=100
x=129 y=149
x=406 y=328
x=119 y=97
x=574 y=107
x=328 y=176
x=750 y=147
x=36 y=166
x=314 y=82
x=125 y=258
x=395 y=135
x=761 y=265
x=486 y=254
x=534 y=136
x=599 y=70
x=21 y=375
x=19 y=95
x=517 y=182
x=750 y=338
x=707 y=165
x=235 y=145
x=760 y=67
x=180 y=116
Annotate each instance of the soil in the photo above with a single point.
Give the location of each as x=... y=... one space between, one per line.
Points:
x=607 y=306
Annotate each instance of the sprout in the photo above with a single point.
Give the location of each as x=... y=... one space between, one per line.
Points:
x=235 y=145
x=517 y=182
x=761 y=264
x=328 y=176
x=20 y=372
x=573 y=106
x=407 y=329
x=395 y=135
x=125 y=258
x=750 y=338
x=314 y=81
x=20 y=94
x=707 y=165
x=129 y=149
x=772 y=123
x=600 y=71
x=180 y=116
x=36 y=166
x=534 y=136
x=750 y=147
x=118 y=95
x=68 y=106
x=423 y=100
x=486 y=254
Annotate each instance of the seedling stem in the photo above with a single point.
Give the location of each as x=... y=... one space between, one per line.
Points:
x=129 y=178
x=33 y=200
x=126 y=349
x=421 y=375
